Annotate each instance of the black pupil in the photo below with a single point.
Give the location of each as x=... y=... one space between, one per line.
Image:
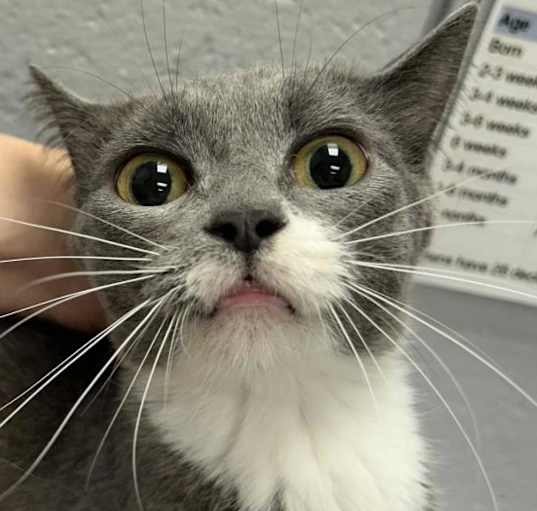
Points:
x=330 y=167
x=151 y=183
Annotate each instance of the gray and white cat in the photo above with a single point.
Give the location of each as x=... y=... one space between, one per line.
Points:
x=249 y=365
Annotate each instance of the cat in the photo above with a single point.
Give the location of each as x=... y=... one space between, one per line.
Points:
x=250 y=364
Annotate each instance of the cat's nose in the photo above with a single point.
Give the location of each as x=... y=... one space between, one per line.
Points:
x=245 y=229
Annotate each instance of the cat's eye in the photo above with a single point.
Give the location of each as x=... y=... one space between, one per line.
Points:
x=330 y=162
x=151 y=180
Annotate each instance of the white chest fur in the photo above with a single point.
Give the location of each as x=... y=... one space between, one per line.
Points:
x=310 y=433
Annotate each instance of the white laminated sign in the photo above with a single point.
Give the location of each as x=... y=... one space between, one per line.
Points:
x=491 y=132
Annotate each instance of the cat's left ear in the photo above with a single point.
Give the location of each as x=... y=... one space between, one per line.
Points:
x=81 y=125
x=415 y=88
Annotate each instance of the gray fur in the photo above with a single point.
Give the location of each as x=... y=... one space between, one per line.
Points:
x=238 y=134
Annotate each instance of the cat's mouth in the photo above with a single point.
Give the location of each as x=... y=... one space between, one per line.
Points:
x=251 y=294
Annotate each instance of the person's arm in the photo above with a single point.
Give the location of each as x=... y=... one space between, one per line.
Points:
x=29 y=171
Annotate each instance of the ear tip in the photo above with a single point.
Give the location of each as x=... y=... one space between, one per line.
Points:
x=471 y=6
x=467 y=13
x=34 y=70
x=38 y=76
x=458 y=26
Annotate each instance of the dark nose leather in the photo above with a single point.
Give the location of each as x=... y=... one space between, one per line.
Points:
x=245 y=229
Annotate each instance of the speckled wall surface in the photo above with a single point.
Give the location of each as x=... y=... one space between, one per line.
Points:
x=106 y=38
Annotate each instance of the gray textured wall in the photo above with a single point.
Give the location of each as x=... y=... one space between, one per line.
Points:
x=106 y=38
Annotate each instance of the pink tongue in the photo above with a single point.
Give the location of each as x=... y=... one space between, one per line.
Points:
x=250 y=296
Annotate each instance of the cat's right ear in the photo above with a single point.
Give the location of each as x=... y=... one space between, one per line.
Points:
x=73 y=123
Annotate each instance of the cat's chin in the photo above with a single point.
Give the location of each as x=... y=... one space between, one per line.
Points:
x=254 y=305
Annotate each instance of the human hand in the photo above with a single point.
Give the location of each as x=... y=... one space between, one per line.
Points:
x=28 y=172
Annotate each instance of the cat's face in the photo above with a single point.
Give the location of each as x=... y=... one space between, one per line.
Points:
x=252 y=188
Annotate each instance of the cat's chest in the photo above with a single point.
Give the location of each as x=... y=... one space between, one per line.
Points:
x=309 y=438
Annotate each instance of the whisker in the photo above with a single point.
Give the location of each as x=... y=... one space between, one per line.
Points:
x=413 y=204
x=46 y=302
x=106 y=222
x=437 y=275
x=349 y=215
x=364 y=343
x=120 y=361
x=442 y=399
x=440 y=226
x=150 y=50
x=468 y=350
x=356 y=356
x=64 y=365
x=63 y=299
x=169 y=360
x=160 y=268
x=433 y=353
x=117 y=365
x=369 y=254
x=51 y=258
x=308 y=58
x=435 y=321
x=124 y=399
x=97 y=77
x=353 y=34
x=178 y=65
x=439 y=323
x=57 y=484
x=165 y=38
x=73 y=409
x=181 y=328
x=278 y=28
x=69 y=274
x=139 y=416
x=295 y=37
x=77 y=234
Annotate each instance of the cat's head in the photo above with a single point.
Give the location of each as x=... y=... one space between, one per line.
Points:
x=254 y=192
